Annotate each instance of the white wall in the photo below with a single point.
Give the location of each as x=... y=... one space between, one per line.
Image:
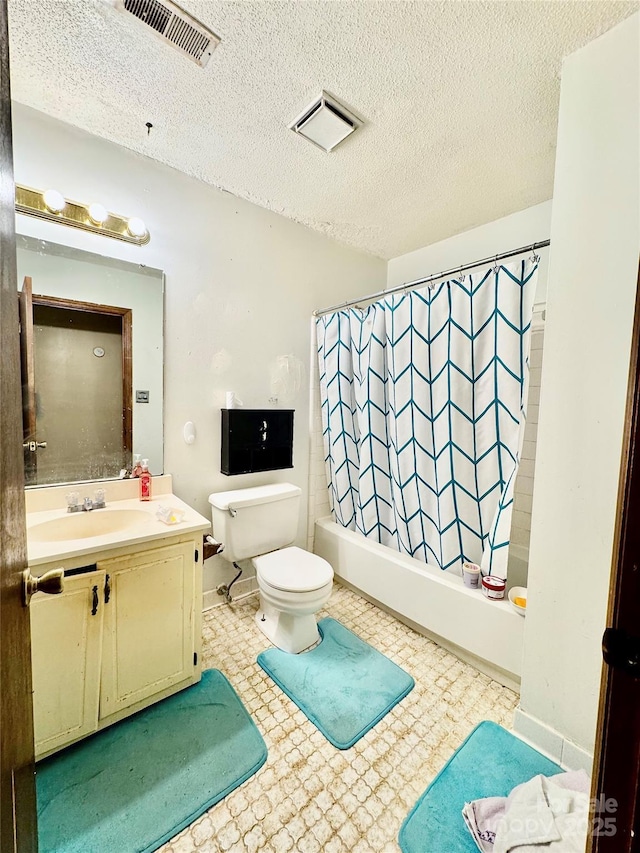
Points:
x=590 y=308
x=520 y=229
x=319 y=500
x=241 y=283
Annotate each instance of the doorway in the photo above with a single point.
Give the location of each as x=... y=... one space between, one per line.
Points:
x=77 y=417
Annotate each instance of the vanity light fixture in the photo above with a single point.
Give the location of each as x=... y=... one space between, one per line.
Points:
x=54 y=201
x=98 y=213
x=53 y=206
x=136 y=227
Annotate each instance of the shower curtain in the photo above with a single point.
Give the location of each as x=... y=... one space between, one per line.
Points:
x=423 y=400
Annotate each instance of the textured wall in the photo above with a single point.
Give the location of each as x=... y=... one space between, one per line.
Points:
x=241 y=283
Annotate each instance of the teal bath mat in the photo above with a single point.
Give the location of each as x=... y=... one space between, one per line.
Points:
x=343 y=685
x=133 y=786
x=490 y=763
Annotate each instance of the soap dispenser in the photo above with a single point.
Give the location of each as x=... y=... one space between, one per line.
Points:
x=145 y=481
x=137 y=467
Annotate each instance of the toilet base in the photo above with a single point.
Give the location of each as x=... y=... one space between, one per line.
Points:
x=289 y=632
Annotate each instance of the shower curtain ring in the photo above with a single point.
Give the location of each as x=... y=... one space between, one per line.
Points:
x=534 y=256
x=462 y=275
x=496 y=268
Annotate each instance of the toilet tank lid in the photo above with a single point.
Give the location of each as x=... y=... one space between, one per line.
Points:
x=237 y=498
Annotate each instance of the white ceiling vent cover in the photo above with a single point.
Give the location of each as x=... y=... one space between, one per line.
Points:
x=175 y=26
x=325 y=122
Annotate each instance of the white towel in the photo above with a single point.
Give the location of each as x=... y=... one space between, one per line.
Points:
x=543 y=811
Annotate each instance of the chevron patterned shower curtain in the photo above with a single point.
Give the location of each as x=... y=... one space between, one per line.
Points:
x=423 y=406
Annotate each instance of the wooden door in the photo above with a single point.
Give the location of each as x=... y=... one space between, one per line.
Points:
x=27 y=365
x=148 y=642
x=616 y=784
x=18 y=827
x=66 y=650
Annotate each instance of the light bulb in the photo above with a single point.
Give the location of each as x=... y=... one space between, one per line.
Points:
x=98 y=213
x=54 y=201
x=136 y=227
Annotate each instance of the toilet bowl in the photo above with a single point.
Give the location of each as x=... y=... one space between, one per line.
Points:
x=261 y=523
x=293 y=586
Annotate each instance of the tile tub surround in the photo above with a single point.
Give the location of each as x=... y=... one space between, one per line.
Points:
x=310 y=797
x=523 y=489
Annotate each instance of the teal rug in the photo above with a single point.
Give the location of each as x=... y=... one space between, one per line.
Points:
x=133 y=786
x=490 y=763
x=343 y=685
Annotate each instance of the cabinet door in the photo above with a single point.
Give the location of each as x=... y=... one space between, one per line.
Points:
x=66 y=646
x=148 y=625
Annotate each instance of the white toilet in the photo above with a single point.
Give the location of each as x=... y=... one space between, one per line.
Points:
x=294 y=584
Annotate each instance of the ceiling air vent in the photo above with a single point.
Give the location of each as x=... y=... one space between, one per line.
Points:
x=325 y=122
x=175 y=26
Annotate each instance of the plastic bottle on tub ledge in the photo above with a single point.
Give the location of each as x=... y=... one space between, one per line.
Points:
x=145 y=481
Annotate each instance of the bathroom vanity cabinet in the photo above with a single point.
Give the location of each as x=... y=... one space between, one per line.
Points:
x=125 y=633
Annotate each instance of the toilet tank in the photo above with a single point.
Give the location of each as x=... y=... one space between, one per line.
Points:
x=255 y=521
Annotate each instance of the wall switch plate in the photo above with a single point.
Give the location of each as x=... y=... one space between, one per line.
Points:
x=142 y=396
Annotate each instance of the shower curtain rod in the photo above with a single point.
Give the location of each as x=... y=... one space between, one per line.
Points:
x=542 y=244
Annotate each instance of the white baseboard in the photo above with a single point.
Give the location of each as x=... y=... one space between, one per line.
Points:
x=552 y=743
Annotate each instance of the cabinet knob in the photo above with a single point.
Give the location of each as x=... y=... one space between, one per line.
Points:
x=51 y=582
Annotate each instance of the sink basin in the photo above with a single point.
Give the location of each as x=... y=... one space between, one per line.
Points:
x=84 y=525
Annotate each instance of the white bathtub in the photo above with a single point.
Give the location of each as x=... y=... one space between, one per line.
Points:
x=436 y=602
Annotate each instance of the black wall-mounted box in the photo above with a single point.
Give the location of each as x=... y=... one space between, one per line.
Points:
x=256 y=440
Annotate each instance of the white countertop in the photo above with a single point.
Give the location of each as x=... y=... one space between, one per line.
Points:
x=147 y=529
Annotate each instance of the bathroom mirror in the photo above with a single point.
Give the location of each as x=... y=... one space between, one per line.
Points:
x=92 y=363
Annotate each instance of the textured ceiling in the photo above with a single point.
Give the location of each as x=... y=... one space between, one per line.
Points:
x=459 y=100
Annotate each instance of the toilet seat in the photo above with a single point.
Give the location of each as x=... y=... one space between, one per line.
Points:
x=293 y=570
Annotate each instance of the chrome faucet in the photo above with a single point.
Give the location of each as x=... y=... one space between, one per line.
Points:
x=74 y=505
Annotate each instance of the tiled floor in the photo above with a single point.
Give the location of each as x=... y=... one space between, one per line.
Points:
x=311 y=797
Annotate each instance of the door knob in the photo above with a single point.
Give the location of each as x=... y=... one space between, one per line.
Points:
x=51 y=582
x=621 y=651
x=34 y=445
